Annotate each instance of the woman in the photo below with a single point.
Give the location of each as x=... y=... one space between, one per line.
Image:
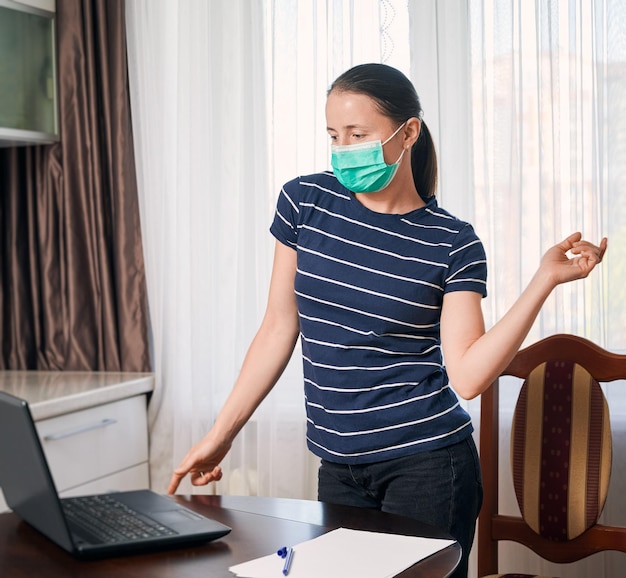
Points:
x=381 y=284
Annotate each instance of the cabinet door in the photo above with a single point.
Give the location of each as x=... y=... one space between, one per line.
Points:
x=94 y=443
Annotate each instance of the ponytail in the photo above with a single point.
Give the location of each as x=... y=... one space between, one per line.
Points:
x=424 y=164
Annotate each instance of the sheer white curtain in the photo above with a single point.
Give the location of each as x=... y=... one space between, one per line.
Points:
x=548 y=90
x=198 y=95
x=228 y=103
x=534 y=92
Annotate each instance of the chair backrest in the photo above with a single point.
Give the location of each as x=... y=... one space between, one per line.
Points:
x=560 y=454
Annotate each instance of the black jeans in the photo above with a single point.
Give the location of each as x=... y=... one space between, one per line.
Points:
x=442 y=488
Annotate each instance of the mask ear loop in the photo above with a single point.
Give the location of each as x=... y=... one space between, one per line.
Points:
x=394 y=134
x=400 y=157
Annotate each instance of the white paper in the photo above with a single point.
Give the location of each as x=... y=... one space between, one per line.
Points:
x=344 y=552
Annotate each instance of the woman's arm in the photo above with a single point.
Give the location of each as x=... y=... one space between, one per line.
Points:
x=473 y=357
x=264 y=363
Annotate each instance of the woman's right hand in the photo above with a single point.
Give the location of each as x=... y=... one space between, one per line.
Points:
x=201 y=463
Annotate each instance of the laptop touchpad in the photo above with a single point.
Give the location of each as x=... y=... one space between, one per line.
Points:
x=176 y=516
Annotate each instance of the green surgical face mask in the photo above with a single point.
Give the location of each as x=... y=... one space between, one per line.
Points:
x=361 y=168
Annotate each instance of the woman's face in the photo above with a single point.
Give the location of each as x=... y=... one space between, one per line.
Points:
x=353 y=118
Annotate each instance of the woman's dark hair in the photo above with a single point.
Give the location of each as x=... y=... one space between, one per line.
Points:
x=396 y=98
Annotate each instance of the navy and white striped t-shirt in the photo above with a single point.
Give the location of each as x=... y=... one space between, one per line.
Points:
x=369 y=288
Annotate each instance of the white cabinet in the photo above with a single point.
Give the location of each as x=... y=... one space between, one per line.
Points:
x=103 y=447
x=85 y=446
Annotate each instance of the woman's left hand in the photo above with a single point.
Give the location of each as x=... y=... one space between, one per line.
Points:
x=583 y=257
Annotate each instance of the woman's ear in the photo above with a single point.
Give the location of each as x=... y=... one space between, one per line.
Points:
x=411 y=132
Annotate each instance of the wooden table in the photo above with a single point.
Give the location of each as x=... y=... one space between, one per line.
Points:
x=260 y=525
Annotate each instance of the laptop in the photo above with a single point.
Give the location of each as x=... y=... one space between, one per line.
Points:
x=96 y=526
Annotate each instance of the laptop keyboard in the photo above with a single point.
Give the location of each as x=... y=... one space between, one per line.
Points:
x=111 y=521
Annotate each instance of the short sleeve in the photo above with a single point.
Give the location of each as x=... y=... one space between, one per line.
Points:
x=467 y=266
x=285 y=224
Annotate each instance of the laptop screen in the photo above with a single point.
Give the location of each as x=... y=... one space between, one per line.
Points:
x=25 y=478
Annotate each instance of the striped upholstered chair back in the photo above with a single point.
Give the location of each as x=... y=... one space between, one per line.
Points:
x=560 y=454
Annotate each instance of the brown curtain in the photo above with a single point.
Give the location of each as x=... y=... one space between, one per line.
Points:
x=72 y=283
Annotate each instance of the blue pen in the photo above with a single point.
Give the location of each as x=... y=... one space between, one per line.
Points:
x=288 y=561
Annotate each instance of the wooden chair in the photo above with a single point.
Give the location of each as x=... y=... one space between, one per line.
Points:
x=560 y=454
